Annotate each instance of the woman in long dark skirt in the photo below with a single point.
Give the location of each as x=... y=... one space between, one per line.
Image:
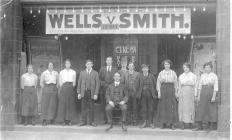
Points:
x=49 y=83
x=167 y=112
x=67 y=80
x=207 y=105
x=29 y=96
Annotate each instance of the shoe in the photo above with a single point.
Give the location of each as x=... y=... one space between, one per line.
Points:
x=172 y=127
x=93 y=124
x=69 y=123
x=25 y=123
x=44 y=123
x=124 y=127
x=110 y=127
x=144 y=125
x=182 y=126
x=152 y=126
x=83 y=124
x=134 y=123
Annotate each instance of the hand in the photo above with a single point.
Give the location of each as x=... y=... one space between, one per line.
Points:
x=122 y=102
x=111 y=103
x=95 y=97
x=159 y=95
x=213 y=100
x=79 y=96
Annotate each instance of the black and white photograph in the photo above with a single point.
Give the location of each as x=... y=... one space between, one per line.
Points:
x=115 y=69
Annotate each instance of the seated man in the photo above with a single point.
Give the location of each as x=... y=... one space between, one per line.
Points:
x=116 y=96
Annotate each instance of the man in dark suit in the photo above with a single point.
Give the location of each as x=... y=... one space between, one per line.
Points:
x=106 y=78
x=116 y=96
x=87 y=89
x=145 y=84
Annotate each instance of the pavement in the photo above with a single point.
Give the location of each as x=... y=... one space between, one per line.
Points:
x=98 y=133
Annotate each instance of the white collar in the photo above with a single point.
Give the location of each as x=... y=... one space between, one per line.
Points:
x=116 y=83
x=89 y=70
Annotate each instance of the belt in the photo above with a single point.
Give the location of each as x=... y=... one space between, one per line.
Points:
x=207 y=85
x=68 y=82
x=50 y=84
x=29 y=86
x=167 y=83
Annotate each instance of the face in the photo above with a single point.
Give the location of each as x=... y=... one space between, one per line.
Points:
x=89 y=65
x=67 y=64
x=124 y=64
x=50 y=66
x=30 y=69
x=109 y=61
x=208 y=69
x=145 y=69
x=131 y=67
x=116 y=77
x=185 y=68
x=166 y=65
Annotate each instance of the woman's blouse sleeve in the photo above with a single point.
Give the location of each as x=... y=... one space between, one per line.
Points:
x=215 y=82
x=158 y=83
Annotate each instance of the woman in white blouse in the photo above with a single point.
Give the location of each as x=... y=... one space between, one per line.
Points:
x=67 y=80
x=207 y=105
x=167 y=85
x=49 y=84
x=29 y=96
x=187 y=91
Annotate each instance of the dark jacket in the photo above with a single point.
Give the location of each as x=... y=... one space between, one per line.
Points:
x=102 y=75
x=110 y=93
x=139 y=85
x=95 y=83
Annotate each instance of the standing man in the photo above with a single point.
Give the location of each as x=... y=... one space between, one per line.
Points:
x=132 y=102
x=67 y=79
x=123 y=72
x=87 y=90
x=106 y=78
x=116 y=96
x=49 y=84
x=146 y=93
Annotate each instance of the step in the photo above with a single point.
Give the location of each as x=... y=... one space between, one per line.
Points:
x=132 y=130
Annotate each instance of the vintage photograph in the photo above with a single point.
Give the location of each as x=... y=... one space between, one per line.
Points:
x=115 y=69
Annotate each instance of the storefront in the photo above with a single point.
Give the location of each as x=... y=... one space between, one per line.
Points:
x=147 y=32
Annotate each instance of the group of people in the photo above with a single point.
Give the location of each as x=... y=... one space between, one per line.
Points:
x=174 y=96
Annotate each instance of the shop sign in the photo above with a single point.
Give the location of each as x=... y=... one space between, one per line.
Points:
x=168 y=21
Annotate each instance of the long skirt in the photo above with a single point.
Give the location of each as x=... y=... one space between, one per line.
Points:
x=66 y=107
x=49 y=102
x=186 y=104
x=167 y=107
x=206 y=110
x=29 y=102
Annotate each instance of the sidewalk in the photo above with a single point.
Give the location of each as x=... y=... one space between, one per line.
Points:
x=98 y=133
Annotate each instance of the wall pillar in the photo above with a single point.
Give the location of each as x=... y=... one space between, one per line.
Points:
x=223 y=63
x=11 y=44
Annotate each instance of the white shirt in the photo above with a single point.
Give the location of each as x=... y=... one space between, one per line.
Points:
x=166 y=76
x=88 y=71
x=108 y=68
x=209 y=79
x=188 y=79
x=48 y=77
x=67 y=76
x=28 y=80
x=116 y=83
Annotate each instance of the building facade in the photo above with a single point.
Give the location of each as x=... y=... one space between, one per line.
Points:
x=24 y=29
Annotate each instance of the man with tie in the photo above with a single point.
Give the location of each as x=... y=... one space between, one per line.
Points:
x=146 y=94
x=116 y=97
x=87 y=90
x=106 y=78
